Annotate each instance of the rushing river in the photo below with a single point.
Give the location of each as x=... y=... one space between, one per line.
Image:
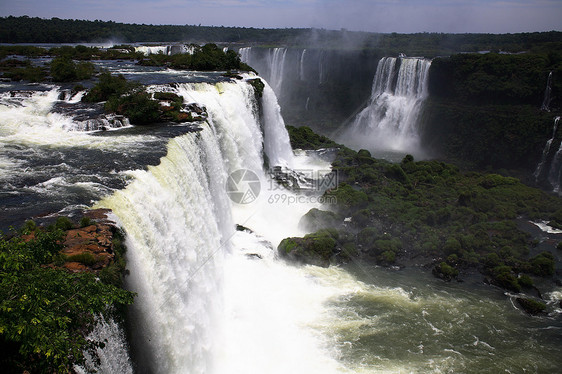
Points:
x=216 y=300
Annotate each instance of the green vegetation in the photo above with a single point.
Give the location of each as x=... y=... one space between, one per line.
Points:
x=109 y=86
x=36 y=30
x=85 y=221
x=432 y=210
x=206 y=58
x=133 y=101
x=320 y=248
x=304 y=138
x=63 y=69
x=138 y=106
x=484 y=110
x=46 y=312
x=259 y=86
x=124 y=97
x=531 y=306
x=17 y=70
x=85 y=258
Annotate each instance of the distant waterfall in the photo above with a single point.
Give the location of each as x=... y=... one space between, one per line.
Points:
x=167 y=49
x=245 y=54
x=549 y=169
x=302 y=75
x=321 y=68
x=546 y=101
x=277 y=67
x=546 y=150
x=271 y=66
x=389 y=121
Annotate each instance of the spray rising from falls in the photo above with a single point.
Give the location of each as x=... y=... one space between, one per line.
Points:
x=389 y=121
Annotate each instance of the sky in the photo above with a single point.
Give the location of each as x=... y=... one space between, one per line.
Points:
x=402 y=16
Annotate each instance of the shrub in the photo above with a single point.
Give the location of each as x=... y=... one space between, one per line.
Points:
x=258 y=86
x=525 y=281
x=85 y=70
x=85 y=221
x=531 y=306
x=445 y=271
x=63 y=69
x=63 y=223
x=46 y=313
x=543 y=264
x=85 y=258
x=109 y=86
x=138 y=107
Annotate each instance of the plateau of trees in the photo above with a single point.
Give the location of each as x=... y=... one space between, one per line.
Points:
x=55 y=30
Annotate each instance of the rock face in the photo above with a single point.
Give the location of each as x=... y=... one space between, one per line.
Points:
x=90 y=248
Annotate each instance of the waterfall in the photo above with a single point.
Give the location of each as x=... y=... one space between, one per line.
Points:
x=178 y=221
x=555 y=172
x=546 y=101
x=302 y=76
x=245 y=54
x=276 y=140
x=321 y=68
x=276 y=68
x=113 y=357
x=388 y=123
x=167 y=49
x=154 y=50
x=546 y=150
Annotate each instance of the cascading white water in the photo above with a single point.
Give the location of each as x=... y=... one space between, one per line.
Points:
x=389 y=122
x=177 y=221
x=555 y=171
x=276 y=68
x=276 y=140
x=113 y=357
x=28 y=117
x=546 y=150
x=546 y=101
x=179 y=232
x=302 y=75
x=153 y=50
x=166 y=49
x=243 y=311
x=245 y=54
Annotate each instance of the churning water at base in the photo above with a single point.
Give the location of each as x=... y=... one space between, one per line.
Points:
x=389 y=122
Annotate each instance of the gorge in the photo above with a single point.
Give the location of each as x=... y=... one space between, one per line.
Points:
x=214 y=297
